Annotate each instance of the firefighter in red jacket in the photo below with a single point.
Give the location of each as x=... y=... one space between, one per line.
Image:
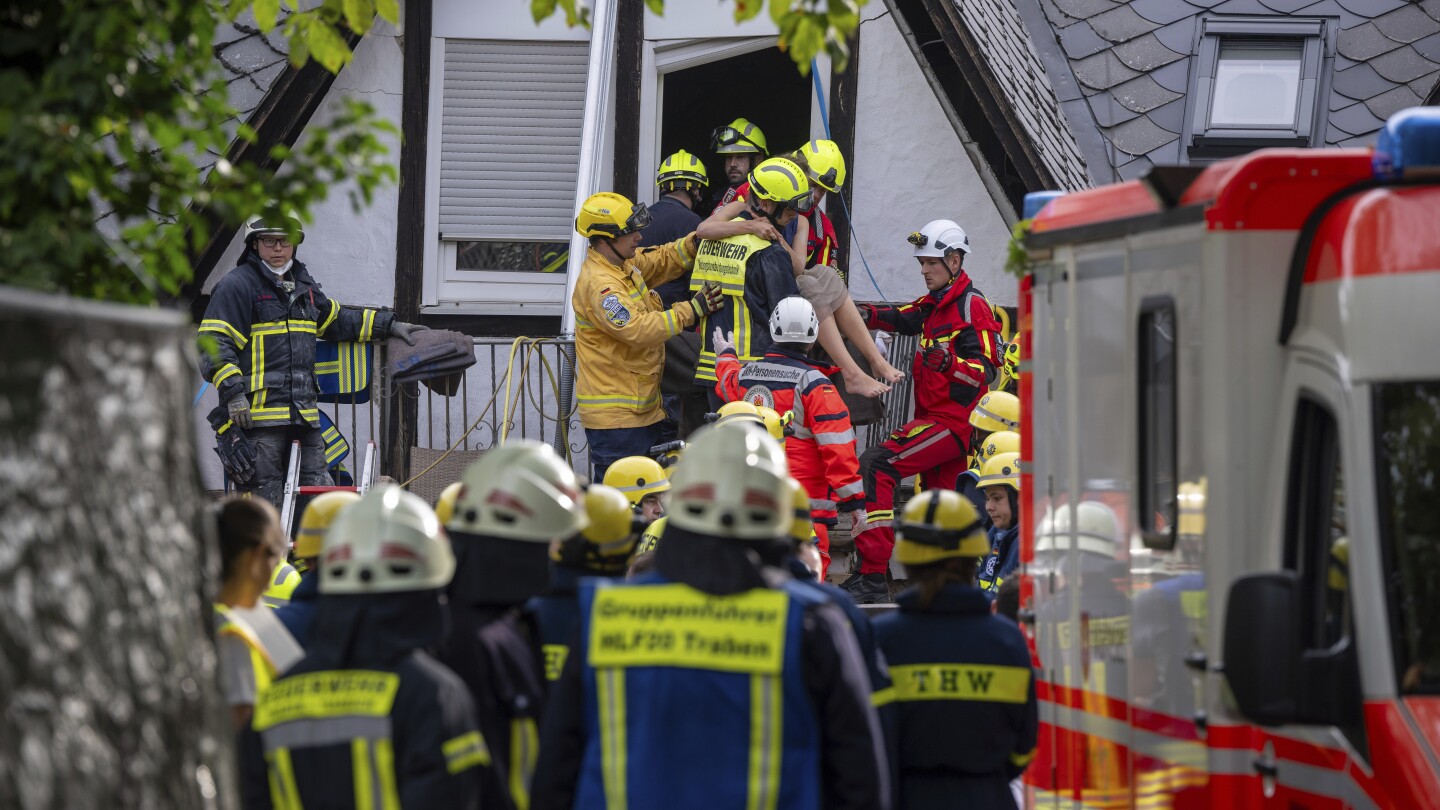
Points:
x=821 y=449
x=957 y=358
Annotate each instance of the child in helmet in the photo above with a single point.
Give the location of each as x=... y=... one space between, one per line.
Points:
x=1000 y=481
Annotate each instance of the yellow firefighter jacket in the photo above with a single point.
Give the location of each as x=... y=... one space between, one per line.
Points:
x=620 y=332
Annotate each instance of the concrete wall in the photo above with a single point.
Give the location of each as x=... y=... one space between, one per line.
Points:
x=910 y=168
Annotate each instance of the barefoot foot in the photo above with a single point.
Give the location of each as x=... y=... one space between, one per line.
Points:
x=886 y=372
x=858 y=382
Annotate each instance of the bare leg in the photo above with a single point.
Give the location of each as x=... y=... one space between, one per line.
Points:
x=856 y=380
x=848 y=319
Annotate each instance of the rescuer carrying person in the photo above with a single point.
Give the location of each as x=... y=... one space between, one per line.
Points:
x=518 y=499
x=963 y=684
x=367 y=718
x=621 y=327
x=957 y=357
x=319 y=513
x=821 y=447
x=713 y=681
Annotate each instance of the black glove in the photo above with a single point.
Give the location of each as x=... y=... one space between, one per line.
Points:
x=707 y=299
x=239 y=410
x=937 y=358
x=406 y=331
x=236 y=455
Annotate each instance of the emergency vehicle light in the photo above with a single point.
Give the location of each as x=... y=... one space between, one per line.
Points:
x=1409 y=145
x=1036 y=200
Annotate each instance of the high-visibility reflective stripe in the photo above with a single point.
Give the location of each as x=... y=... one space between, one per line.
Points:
x=850 y=490
x=367 y=325
x=301 y=326
x=348 y=695
x=821 y=505
x=800 y=432
x=595 y=401
x=385 y=770
x=270 y=414
x=844 y=437
x=465 y=752
x=224 y=373
x=765 y=733
x=978 y=682
x=882 y=697
x=910 y=451
x=257 y=370
x=612 y=736
x=992 y=415
x=283 y=791
x=584 y=324
x=362 y=776
x=880 y=514
x=555 y=655
x=672 y=324
x=524 y=748
x=329 y=319
x=220 y=327
x=317 y=732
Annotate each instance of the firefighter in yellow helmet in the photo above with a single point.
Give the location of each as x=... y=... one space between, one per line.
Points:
x=1000 y=483
x=367 y=718
x=956 y=666
x=739 y=145
x=682 y=181
x=601 y=549
x=621 y=327
x=643 y=482
x=996 y=411
x=320 y=513
x=780 y=719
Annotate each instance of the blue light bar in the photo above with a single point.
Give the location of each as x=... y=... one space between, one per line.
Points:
x=1036 y=200
x=1409 y=145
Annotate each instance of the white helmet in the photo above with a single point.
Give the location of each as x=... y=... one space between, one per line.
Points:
x=1097 y=531
x=938 y=238
x=520 y=490
x=734 y=483
x=274 y=225
x=794 y=321
x=387 y=542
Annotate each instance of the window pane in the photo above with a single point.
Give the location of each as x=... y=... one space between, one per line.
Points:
x=513 y=257
x=1407 y=475
x=1256 y=84
x=1157 y=426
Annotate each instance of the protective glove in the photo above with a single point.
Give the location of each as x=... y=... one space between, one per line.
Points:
x=239 y=408
x=406 y=331
x=857 y=522
x=236 y=455
x=721 y=342
x=707 y=299
x=937 y=358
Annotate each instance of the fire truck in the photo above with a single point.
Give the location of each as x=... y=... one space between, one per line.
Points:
x=1231 y=522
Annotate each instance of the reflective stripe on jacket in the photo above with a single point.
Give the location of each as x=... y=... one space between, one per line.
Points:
x=766 y=278
x=232 y=625
x=620 y=331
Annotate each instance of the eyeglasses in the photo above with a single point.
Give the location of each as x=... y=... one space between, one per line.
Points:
x=272 y=242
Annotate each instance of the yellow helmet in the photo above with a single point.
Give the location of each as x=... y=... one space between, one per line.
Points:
x=1001 y=441
x=996 y=410
x=282 y=584
x=651 y=537
x=802 y=530
x=739 y=138
x=681 y=170
x=1012 y=358
x=774 y=423
x=827 y=165
x=1002 y=470
x=610 y=215
x=939 y=525
x=781 y=180
x=319 y=514
x=611 y=535
x=738 y=411
x=636 y=477
x=445 y=506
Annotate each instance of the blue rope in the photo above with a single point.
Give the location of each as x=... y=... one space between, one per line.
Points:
x=825 y=120
x=200 y=393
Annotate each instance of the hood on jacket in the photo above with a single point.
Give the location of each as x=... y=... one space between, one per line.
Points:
x=715 y=565
x=496 y=571
x=378 y=630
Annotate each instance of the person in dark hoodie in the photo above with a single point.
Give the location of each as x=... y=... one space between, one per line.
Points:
x=322 y=510
x=964 y=686
x=1000 y=481
x=367 y=718
x=264 y=317
x=516 y=500
x=713 y=681
x=601 y=549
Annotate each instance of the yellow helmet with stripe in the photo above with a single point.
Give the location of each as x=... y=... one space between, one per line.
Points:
x=636 y=477
x=939 y=525
x=781 y=180
x=827 y=165
x=681 y=170
x=610 y=215
x=1002 y=470
x=319 y=514
x=1001 y=441
x=740 y=137
x=996 y=410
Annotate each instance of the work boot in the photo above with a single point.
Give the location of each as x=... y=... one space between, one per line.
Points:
x=853 y=581
x=871 y=589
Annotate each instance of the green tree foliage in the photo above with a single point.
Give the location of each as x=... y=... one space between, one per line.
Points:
x=105 y=106
x=807 y=27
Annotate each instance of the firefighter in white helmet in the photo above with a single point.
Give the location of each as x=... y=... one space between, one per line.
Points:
x=964 y=687
x=708 y=632
x=368 y=718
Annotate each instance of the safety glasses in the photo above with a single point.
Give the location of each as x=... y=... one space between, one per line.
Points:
x=730 y=136
x=804 y=204
x=639 y=218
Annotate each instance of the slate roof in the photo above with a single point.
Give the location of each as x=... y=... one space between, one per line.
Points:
x=1123 y=69
x=250 y=62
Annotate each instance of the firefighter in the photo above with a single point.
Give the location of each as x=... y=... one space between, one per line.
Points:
x=601 y=549
x=996 y=411
x=713 y=681
x=517 y=500
x=368 y=718
x=964 y=686
x=956 y=359
x=621 y=327
x=821 y=449
x=968 y=482
x=264 y=317
x=739 y=145
x=309 y=541
x=753 y=274
x=1000 y=482
x=682 y=181
x=643 y=482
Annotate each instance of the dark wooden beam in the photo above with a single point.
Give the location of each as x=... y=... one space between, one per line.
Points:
x=629 y=44
x=843 y=89
x=402 y=415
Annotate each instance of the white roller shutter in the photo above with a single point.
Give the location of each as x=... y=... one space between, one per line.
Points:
x=510 y=139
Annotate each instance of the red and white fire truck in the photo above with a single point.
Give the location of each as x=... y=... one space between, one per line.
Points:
x=1231 y=409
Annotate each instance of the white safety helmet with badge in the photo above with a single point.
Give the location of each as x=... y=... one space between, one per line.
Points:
x=389 y=541
x=938 y=239
x=794 y=321
x=520 y=490
x=734 y=483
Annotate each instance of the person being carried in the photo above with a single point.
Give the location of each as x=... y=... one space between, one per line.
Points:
x=811 y=242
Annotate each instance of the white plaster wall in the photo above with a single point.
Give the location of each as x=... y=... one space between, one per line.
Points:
x=910 y=168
